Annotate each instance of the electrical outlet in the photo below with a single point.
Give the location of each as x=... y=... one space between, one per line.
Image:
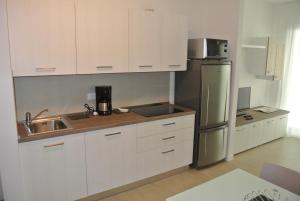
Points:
x=91 y=96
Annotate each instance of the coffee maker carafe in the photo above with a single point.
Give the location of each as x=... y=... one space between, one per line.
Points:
x=103 y=100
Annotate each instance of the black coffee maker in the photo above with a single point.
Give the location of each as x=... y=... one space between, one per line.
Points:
x=103 y=100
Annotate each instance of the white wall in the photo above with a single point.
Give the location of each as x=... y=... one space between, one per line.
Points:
x=287 y=16
x=1 y=191
x=258 y=22
x=67 y=94
x=9 y=165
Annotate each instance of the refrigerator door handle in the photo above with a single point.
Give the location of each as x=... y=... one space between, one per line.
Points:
x=205 y=143
x=214 y=129
x=226 y=100
x=207 y=105
x=224 y=140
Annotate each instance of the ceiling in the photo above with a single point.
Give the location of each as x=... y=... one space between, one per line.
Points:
x=282 y=1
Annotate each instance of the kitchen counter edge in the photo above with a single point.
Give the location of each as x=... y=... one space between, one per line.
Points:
x=99 y=123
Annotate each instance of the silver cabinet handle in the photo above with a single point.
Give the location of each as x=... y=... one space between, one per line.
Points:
x=169 y=124
x=165 y=152
x=175 y=65
x=168 y=138
x=146 y=66
x=45 y=69
x=103 y=67
x=111 y=134
x=54 y=145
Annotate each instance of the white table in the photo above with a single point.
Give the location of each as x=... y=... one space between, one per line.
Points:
x=232 y=186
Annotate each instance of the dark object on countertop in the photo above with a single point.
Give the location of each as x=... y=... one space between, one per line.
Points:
x=116 y=111
x=78 y=116
x=103 y=100
x=155 y=109
x=90 y=109
x=248 y=117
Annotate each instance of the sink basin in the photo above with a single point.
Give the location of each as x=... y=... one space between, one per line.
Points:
x=41 y=126
x=78 y=116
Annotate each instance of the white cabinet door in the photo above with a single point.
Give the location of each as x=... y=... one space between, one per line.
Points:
x=174 y=42
x=144 y=40
x=255 y=134
x=111 y=158
x=149 y=163
x=269 y=130
x=185 y=146
x=241 y=140
x=54 y=169
x=271 y=60
x=102 y=36
x=42 y=37
x=279 y=63
x=281 y=126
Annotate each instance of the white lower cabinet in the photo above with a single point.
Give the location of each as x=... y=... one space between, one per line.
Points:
x=110 y=158
x=241 y=138
x=256 y=133
x=281 y=127
x=251 y=135
x=54 y=169
x=71 y=167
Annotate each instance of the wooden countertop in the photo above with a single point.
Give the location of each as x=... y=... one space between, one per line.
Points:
x=258 y=116
x=97 y=123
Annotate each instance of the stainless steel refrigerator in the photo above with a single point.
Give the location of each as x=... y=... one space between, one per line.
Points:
x=205 y=87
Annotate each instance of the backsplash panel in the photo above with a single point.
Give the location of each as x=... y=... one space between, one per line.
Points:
x=65 y=94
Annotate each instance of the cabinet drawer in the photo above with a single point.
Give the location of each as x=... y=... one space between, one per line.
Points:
x=165 y=125
x=164 y=139
x=156 y=141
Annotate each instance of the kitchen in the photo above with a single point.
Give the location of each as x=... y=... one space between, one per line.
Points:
x=139 y=81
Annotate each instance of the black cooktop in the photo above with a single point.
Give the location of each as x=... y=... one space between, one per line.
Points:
x=155 y=110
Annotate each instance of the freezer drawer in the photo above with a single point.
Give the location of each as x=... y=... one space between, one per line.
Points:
x=212 y=146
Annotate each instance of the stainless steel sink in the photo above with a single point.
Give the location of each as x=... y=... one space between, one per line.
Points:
x=78 y=116
x=46 y=125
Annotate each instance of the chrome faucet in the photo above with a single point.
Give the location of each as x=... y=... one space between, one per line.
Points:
x=28 y=119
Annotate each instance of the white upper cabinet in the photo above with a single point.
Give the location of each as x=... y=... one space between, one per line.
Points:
x=57 y=37
x=144 y=40
x=174 y=42
x=42 y=37
x=264 y=57
x=102 y=37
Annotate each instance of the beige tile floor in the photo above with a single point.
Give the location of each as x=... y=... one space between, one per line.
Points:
x=283 y=151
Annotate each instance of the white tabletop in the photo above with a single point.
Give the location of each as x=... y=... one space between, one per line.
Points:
x=232 y=186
